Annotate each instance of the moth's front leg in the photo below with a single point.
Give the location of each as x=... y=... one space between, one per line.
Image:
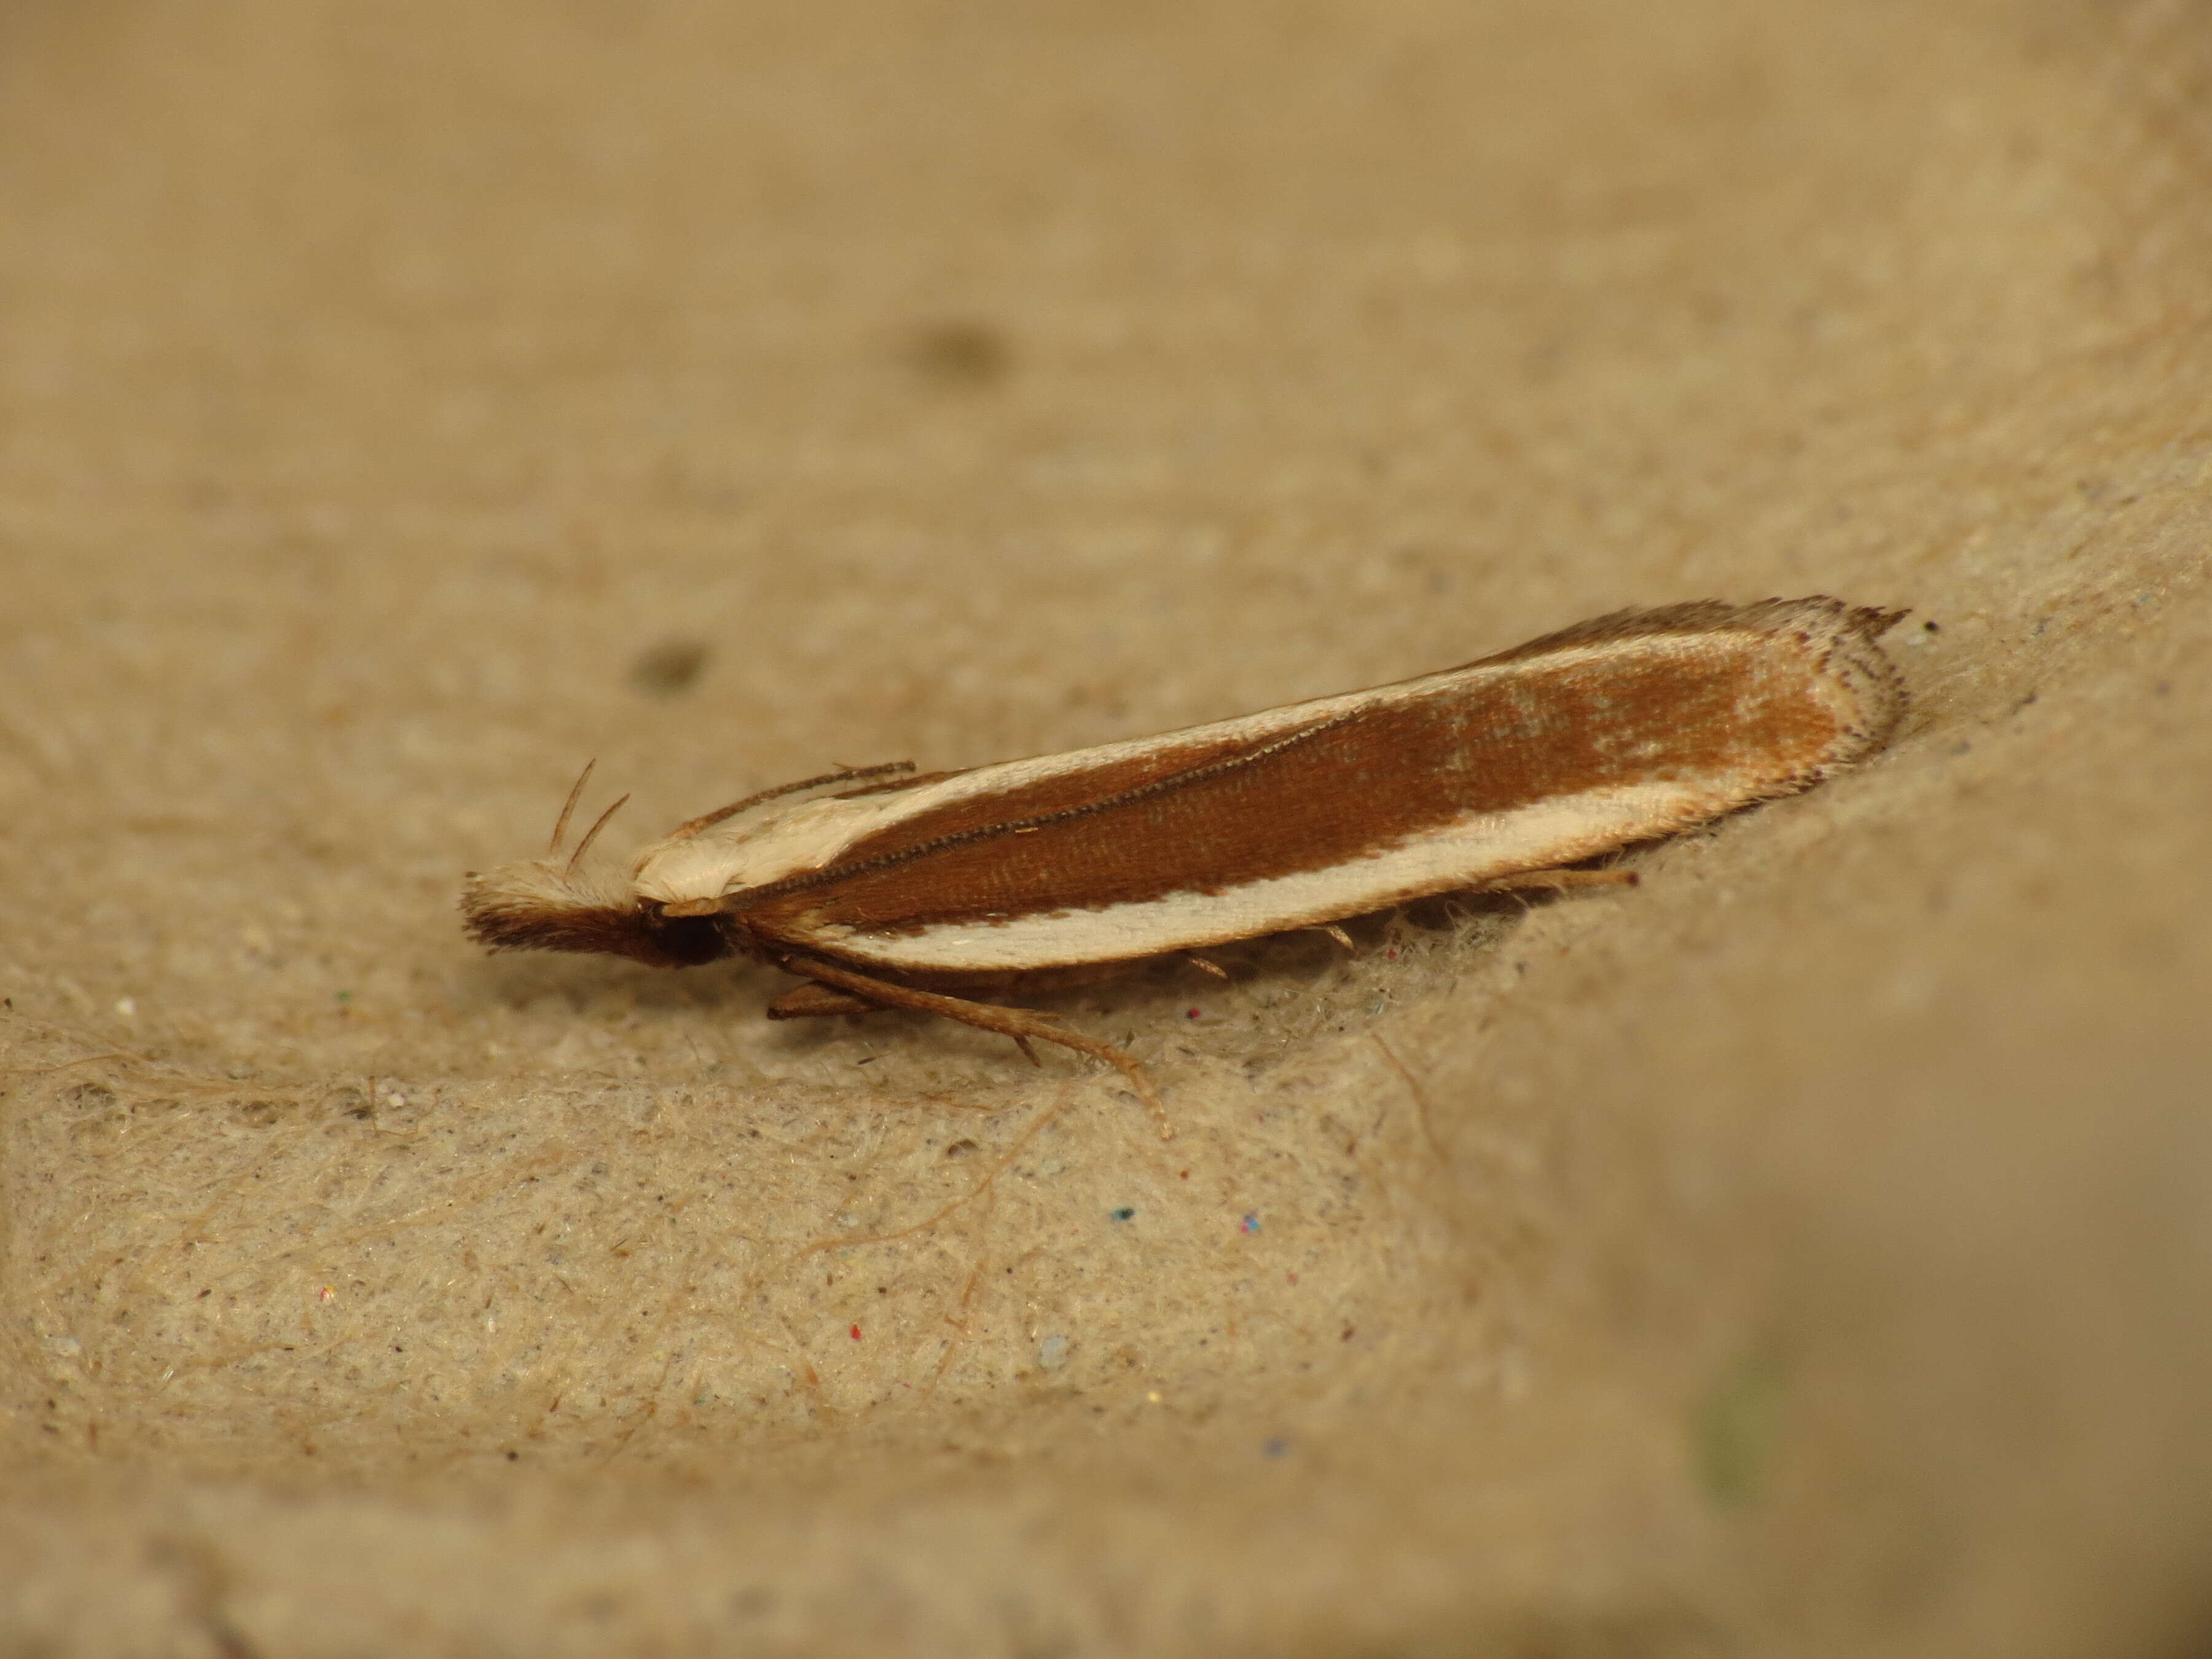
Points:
x=805 y=1001
x=1610 y=876
x=840 y=991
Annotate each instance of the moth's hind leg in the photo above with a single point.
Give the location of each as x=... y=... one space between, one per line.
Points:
x=842 y=991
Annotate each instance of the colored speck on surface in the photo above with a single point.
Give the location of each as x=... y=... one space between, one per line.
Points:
x=1127 y=1212
x=1193 y=1014
x=1274 y=1446
x=1737 y=1429
x=856 y=1332
x=670 y=668
x=1052 y=1353
x=343 y=996
x=1251 y=1224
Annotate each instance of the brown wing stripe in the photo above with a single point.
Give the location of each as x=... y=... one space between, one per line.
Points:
x=1183 y=779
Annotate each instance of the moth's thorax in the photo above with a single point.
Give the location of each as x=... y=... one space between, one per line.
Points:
x=779 y=839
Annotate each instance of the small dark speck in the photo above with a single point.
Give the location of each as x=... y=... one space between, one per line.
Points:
x=959 y=353
x=2164 y=688
x=670 y=668
x=960 y=1149
x=515 y=1458
x=1931 y=628
x=1274 y=1446
x=1127 y=1212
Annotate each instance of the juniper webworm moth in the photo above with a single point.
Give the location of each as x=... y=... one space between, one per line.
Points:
x=883 y=890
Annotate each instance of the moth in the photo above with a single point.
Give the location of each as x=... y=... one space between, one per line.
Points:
x=881 y=889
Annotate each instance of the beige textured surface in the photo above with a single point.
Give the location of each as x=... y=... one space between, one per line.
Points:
x=1806 y=1252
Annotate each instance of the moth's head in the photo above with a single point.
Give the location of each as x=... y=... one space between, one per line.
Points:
x=549 y=904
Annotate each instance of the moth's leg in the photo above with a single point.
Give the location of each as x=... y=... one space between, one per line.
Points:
x=805 y=1001
x=1558 y=879
x=1019 y=1024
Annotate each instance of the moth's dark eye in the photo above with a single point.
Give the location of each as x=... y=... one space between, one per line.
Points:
x=690 y=941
